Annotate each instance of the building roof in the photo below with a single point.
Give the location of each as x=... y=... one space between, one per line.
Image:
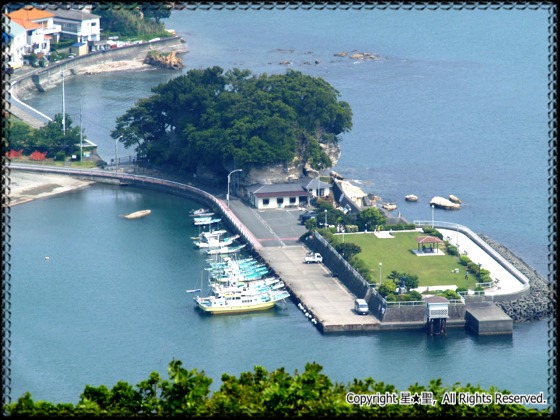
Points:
x=428 y=240
x=30 y=13
x=292 y=189
x=73 y=14
x=436 y=299
x=314 y=183
x=14 y=28
x=26 y=24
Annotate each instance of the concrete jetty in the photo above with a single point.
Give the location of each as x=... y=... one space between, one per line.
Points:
x=324 y=292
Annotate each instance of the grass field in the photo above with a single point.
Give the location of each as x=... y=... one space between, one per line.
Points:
x=397 y=254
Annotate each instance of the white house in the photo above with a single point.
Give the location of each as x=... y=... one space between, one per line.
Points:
x=17 y=40
x=78 y=25
x=40 y=28
x=292 y=194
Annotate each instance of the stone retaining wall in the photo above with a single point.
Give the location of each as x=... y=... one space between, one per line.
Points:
x=538 y=303
x=47 y=78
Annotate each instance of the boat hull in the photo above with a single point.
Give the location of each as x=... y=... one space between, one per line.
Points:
x=237 y=309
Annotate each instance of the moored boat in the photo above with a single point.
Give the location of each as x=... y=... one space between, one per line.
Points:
x=137 y=214
x=225 y=249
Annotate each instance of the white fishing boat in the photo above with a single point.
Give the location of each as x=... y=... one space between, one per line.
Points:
x=202 y=212
x=225 y=250
x=207 y=220
x=234 y=302
x=215 y=242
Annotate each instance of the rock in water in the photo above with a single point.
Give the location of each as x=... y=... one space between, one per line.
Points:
x=444 y=203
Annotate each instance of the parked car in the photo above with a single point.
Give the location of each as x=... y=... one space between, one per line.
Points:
x=361 y=307
x=313 y=258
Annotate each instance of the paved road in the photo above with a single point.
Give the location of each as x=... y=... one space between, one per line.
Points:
x=324 y=297
x=273 y=228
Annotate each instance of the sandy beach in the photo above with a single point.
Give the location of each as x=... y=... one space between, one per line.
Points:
x=124 y=65
x=23 y=187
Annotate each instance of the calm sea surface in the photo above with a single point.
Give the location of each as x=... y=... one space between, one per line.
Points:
x=457 y=105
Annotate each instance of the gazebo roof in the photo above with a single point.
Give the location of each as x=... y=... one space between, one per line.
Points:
x=428 y=240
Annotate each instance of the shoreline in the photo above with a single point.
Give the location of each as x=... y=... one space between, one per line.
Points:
x=24 y=187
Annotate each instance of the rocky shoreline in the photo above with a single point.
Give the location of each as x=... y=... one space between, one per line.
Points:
x=539 y=303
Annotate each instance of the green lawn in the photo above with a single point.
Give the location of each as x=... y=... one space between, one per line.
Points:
x=396 y=254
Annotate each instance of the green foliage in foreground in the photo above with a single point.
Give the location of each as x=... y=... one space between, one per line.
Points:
x=263 y=393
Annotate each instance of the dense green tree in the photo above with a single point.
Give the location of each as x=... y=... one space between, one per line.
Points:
x=156 y=11
x=348 y=249
x=262 y=393
x=371 y=217
x=51 y=137
x=20 y=136
x=216 y=118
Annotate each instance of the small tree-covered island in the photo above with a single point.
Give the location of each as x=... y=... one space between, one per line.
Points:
x=209 y=122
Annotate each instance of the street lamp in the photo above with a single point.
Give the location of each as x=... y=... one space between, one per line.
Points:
x=380 y=265
x=433 y=216
x=326 y=219
x=116 y=157
x=228 y=181
x=63 y=105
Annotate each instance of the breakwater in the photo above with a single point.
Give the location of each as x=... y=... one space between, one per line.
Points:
x=539 y=303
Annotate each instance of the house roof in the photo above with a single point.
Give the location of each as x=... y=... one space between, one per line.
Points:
x=428 y=240
x=14 y=28
x=314 y=183
x=30 y=13
x=291 y=189
x=26 y=24
x=436 y=299
x=73 y=14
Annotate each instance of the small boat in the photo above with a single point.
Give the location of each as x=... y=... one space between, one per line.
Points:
x=215 y=242
x=225 y=250
x=137 y=214
x=201 y=212
x=411 y=197
x=200 y=221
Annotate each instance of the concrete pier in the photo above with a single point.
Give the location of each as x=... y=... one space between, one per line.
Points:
x=485 y=318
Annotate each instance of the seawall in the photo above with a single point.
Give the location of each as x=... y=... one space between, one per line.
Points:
x=46 y=78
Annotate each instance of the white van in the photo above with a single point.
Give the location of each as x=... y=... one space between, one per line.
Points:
x=361 y=307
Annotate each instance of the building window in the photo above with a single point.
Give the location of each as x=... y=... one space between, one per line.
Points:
x=266 y=201
x=292 y=200
x=280 y=201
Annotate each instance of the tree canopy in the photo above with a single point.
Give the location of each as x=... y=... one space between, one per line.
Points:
x=222 y=118
x=267 y=394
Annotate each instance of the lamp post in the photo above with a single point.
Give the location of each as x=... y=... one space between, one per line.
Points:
x=116 y=157
x=433 y=216
x=380 y=265
x=63 y=105
x=326 y=219
x=228 y=181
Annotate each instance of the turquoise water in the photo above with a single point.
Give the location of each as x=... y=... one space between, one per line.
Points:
x=457 y=105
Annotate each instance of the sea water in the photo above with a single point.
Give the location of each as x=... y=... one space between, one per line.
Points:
x=457 y=104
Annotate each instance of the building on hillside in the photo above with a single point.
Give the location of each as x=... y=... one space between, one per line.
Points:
x=78 y=48
x=16 y=39
x=78 y=25
x=285 y=195
x=40 y=29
